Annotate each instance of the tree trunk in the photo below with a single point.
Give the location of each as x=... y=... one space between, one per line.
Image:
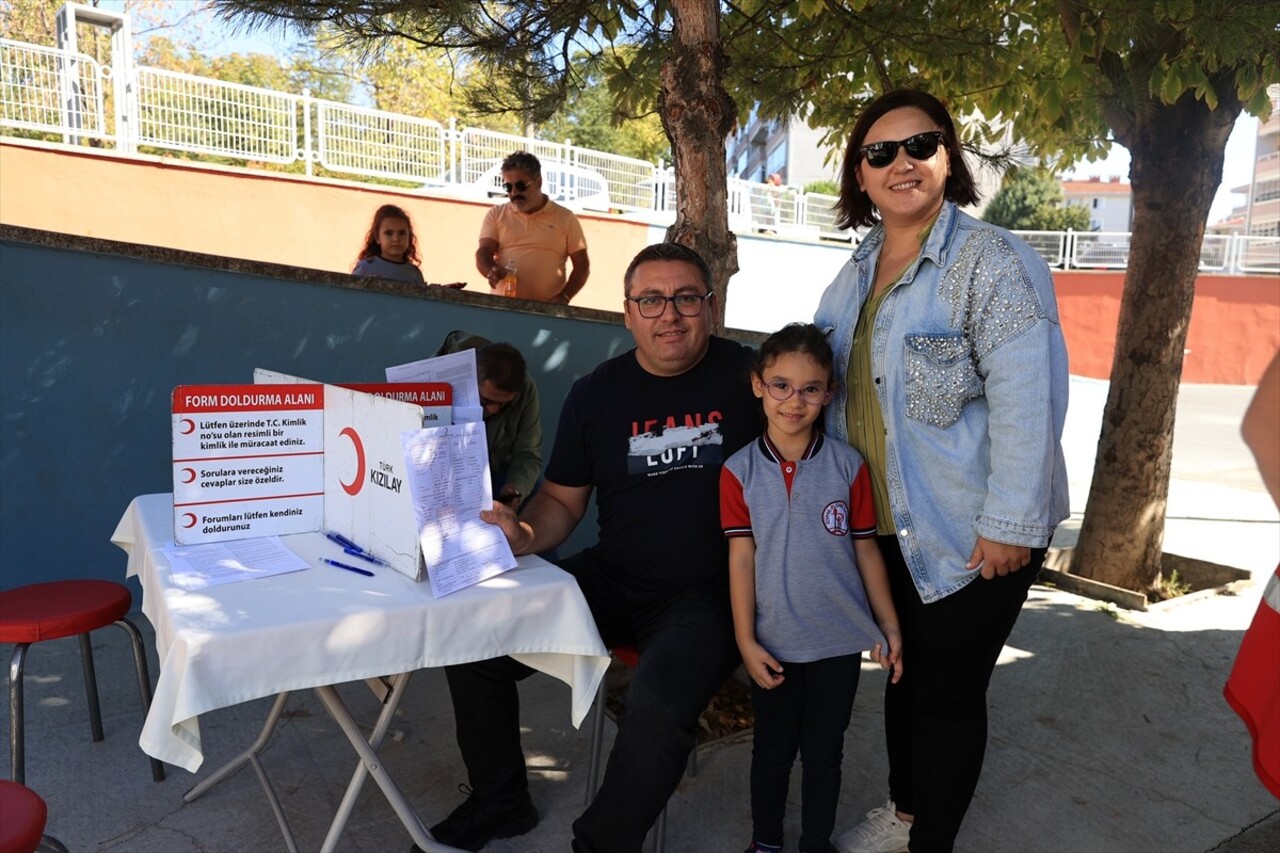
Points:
x=697 y=114
x=1177 y=152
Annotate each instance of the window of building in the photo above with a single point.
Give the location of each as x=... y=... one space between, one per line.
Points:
x=777 y=159
x=1268 y=189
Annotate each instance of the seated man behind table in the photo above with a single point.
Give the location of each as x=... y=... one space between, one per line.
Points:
x=512 y=415
x=535 y=234
x=647 y=431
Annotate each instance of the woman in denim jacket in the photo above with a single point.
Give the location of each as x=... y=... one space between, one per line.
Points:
x=946 y=331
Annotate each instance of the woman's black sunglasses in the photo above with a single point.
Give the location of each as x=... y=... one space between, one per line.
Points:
x=922 y=146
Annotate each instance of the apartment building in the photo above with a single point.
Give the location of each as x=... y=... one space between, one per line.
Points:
x=1262 y=212
x=1259 y=214
x=1109 y=202
x=789 y=147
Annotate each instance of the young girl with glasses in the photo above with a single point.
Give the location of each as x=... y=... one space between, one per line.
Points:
x=389 y=248
x=808 y=587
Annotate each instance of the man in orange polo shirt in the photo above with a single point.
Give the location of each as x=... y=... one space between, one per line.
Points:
x=533 y=235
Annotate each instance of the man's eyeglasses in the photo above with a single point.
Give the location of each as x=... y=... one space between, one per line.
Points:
x=814 y=395
x=922 y=146
x=686 y=304
x=486 y=403
x=520 y=186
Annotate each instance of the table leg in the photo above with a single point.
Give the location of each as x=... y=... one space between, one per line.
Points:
x=389 y=693
x=250 y=756
x=370 y=764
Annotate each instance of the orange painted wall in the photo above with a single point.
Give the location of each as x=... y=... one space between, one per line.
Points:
x=1234 y=332
x=287 y=219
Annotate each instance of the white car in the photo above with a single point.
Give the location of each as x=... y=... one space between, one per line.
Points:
x=576 y=187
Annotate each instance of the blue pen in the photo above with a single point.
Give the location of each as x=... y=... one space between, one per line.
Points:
x=342 y=540
x=364 y=572
x=362 y=555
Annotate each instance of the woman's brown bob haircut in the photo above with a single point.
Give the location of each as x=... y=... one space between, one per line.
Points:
x=855 y=208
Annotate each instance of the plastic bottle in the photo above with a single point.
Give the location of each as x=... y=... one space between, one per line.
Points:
x=507 y=287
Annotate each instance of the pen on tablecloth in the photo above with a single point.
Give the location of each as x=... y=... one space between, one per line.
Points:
x=358 y=571
x=362 y=555
x=342 y=540
x=352 y=549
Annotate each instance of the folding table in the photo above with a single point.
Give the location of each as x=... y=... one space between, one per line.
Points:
x=328 y=626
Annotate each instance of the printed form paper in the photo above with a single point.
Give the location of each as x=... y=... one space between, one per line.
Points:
x=458 y=369
x=449 y=478
x=198 y=566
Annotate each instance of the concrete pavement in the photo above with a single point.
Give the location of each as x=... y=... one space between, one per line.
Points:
x=1108 y=728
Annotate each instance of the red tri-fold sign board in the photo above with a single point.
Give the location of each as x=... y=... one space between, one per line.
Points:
x=367 y=495
x=288 y=455
x=248 y=460
x=435 y=398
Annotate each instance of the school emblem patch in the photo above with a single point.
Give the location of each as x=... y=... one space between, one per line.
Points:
x=835 y=517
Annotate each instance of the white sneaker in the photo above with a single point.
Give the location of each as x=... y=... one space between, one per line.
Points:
x=881 y=832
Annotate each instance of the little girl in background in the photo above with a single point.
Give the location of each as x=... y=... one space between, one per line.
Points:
x=389 y=248
x=803 y=565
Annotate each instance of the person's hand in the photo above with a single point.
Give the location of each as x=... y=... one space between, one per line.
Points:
x=497 y=273
x=763 y=668
x=510 y=496
x=505 y=518
x=892 y=660
x=997 y=558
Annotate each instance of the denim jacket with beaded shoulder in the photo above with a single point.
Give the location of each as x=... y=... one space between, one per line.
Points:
x=971 y=372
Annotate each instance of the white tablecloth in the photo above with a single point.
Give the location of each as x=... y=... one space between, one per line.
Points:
x=232 y=643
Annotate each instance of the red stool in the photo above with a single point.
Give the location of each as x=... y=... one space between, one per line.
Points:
x=22 y=819
x=50 y=611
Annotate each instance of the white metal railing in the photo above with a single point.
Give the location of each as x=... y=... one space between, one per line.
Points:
x=1224 y=253
x=1215 y=252
x=1099 y=249
x=1257 y=254
x=53 y=91
x=1050 y=245
x=820 y=211
x=203 y=116
x=630 y=181
x=61 y=92
x=379 y=144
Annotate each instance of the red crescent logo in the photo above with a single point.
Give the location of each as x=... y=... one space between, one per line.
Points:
x=353 y=488
x=191 y=519
x=188 y=426
x=188 y=475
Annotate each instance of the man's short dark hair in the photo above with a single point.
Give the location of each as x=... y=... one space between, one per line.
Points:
x=523 y=161
x=503 y=365
x=667 y=252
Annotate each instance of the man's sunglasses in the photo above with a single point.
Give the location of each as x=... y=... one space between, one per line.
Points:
x=520 y=186
x=922 y=146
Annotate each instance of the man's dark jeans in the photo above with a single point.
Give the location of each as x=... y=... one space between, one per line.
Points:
x=687 y=650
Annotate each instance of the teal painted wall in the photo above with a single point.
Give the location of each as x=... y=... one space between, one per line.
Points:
x=92 y=344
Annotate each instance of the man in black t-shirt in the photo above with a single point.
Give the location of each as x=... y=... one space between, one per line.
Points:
x=647 y=431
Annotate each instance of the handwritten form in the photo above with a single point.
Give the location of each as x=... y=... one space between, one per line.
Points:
x=458 y=369
x=198 y=566
x=448 y=471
